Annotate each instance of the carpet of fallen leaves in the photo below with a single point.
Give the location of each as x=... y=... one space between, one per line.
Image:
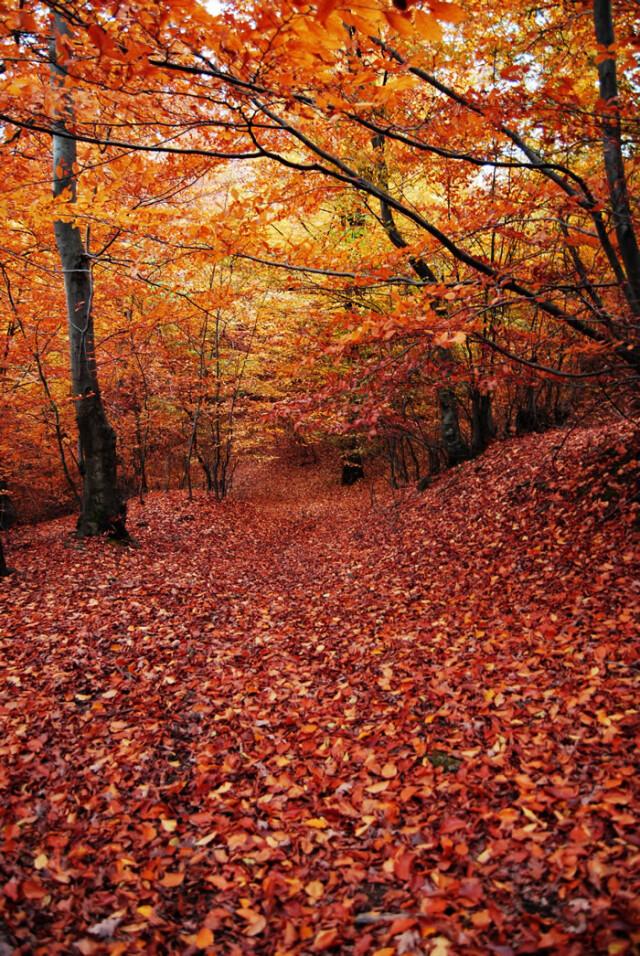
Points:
x=316 y=719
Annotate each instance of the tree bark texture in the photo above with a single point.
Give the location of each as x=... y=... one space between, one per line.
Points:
x=4 y=570
x=455 y=446
x=482 y=425
x=612 y=151
x=102 y=508
x=352 y=466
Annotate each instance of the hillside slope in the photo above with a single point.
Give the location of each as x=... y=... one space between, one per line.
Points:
x=340 y=722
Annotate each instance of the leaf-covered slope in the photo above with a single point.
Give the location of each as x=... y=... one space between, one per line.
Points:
x=333 y=723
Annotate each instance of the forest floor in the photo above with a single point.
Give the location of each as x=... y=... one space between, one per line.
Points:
x=315 y=719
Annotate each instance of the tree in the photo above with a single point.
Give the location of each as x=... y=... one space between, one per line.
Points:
x=309 y=124
x=102 y=507
x=4 y=570
x=449 y=168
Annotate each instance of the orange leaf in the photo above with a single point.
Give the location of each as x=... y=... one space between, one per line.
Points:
x=427 y=26
x=33 y=890
x=324 y=939
x=204 y=938
x=449 y=12
x=149 y=833
x=399 y=23
x=401 y=924
x=10 y=889
x=402 y=865
x=256 y=926
x=481 y=919
x=378 y=787
x=172 y=879
x=101 y=39
x=27 y=21
x=325 y=9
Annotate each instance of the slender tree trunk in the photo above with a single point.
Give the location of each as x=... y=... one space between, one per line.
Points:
x=4 y=570
x=527 y=413
x=352 y=467
x=8 y=515
x=612 y=149
x=456 y=447
x=482 y=426
x=57 y=425
x=141 y=457
x=102 y=508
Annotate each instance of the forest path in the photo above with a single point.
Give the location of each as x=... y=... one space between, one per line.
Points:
x=279 y=718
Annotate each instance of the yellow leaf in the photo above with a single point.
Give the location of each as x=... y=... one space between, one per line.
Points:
x=317 y=823
x=442 y=946
x=41 y=861
x=19 y=86
x=169 y=825
x=389 y=770
x=145 y=911
x=617 y=948
x=314 y=889
x=223 y=788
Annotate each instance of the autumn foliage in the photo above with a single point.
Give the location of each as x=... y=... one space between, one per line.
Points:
x=299 y=723
x=410 y=224
x=329 y=314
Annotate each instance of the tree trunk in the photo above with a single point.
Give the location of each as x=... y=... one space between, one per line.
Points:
x=352 y=468
x=102 y=508
x=8 y=516
x=482 y=425
x=612 y=149
x=527 y=415
x=455 y=446
x=4 y=570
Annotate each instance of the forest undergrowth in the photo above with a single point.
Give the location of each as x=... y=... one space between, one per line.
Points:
x=315 y=719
